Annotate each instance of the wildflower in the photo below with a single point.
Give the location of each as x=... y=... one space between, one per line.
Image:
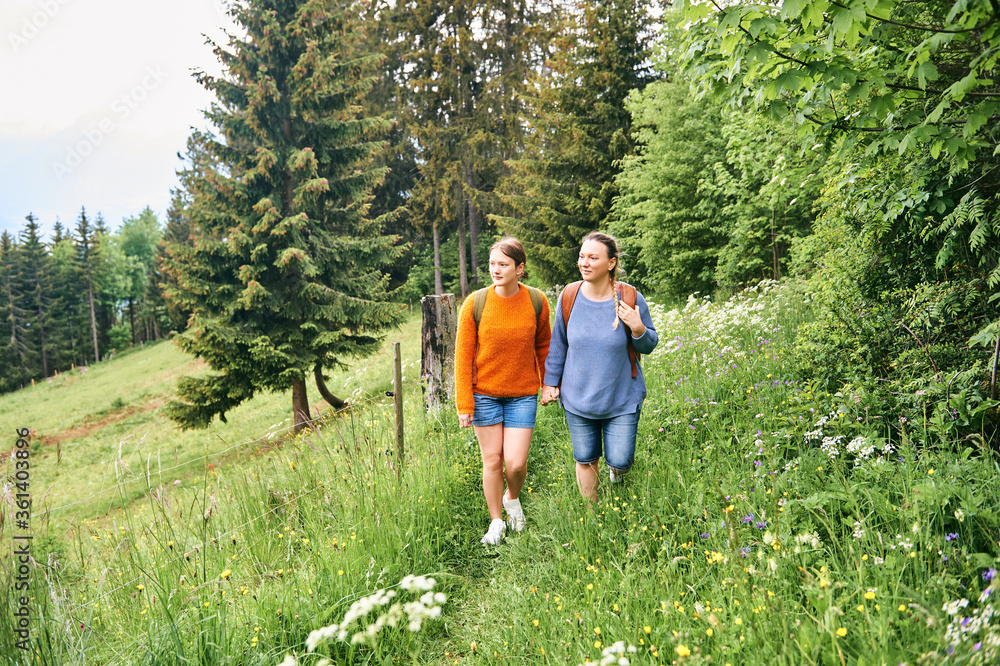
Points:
x=225 y=574
x=952 y=536
x=902 y=608
x=647 y=629
x=682 y=651
x=953 y=607
x=870 y=594
x=989 y=574
x=842 y=632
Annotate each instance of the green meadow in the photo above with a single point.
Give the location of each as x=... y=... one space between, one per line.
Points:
x=766 y=521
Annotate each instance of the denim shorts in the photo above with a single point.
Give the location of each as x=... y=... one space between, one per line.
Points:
x=511 y=412
x=618 y=435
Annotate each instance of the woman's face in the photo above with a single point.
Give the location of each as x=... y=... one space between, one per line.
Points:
x=502 y=269
x=594 y=263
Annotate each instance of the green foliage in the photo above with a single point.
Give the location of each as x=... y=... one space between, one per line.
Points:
x=896 y=322
x=662 y=219
x=563 y=184
x=765 y=521
x=894 y=77
x=903 y=98
x=284 y=275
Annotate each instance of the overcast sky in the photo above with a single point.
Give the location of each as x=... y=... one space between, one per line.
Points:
x=97 y=100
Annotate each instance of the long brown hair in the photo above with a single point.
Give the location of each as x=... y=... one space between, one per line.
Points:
x=616 y=273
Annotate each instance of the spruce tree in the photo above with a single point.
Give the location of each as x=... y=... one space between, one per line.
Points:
x=87 y=264
x=14 y=371
x=464 y=77
x=564 y=184
x=68 y=304
x=34 y=276
x=284 y=277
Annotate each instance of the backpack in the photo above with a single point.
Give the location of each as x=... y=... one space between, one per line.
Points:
x=626 y=294
x=479 y=304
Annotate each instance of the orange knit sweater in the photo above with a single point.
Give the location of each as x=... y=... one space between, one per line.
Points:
x=512 y=347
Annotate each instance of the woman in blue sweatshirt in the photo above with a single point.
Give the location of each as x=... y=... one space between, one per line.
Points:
x=589 y=367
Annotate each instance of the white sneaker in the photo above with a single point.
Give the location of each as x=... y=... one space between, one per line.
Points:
x=496 y=532
x=613 y=477
x=514 y=512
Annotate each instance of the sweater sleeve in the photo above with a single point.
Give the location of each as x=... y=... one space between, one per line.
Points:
x=543 y=336
x=646 y=342
x=465 y=353
x=557 y=349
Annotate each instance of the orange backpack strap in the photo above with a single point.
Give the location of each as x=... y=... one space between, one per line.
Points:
x=627 y=295
x=568 y=297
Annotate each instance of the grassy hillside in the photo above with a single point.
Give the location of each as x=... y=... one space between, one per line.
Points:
x=100 y=439
x=765 y=521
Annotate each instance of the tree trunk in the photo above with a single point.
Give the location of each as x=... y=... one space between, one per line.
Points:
x=93 y=317
x=41 y=334
x=439 y=325
x=131 y=318
x=473 y=224
x=438 y=284
x=330 y=398
x=463 y=271
x=300 y=405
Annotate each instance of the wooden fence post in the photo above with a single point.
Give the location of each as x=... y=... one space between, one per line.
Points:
x=398 y=399
x=437 y=363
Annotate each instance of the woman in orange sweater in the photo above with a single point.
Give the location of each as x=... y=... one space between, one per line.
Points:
x=499 y=362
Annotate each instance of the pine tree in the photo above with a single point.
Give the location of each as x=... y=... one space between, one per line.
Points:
x=564 y=185
x=87 y=262
x=284 y=276
x=68 y=303
x=465 y=80
x=34 y=276
x=13 y=351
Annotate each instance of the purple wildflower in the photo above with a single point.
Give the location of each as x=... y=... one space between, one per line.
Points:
x=989 y=574
x=951 y=536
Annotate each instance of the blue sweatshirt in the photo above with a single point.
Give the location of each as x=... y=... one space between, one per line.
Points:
x=592 y=359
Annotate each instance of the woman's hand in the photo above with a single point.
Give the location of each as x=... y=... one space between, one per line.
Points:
x=549 y=394
x=465 y=420
x=631 y=318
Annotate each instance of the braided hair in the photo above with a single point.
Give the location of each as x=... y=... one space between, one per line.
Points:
x=616 y=273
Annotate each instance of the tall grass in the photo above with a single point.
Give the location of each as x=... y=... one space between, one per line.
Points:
x=764 y=522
